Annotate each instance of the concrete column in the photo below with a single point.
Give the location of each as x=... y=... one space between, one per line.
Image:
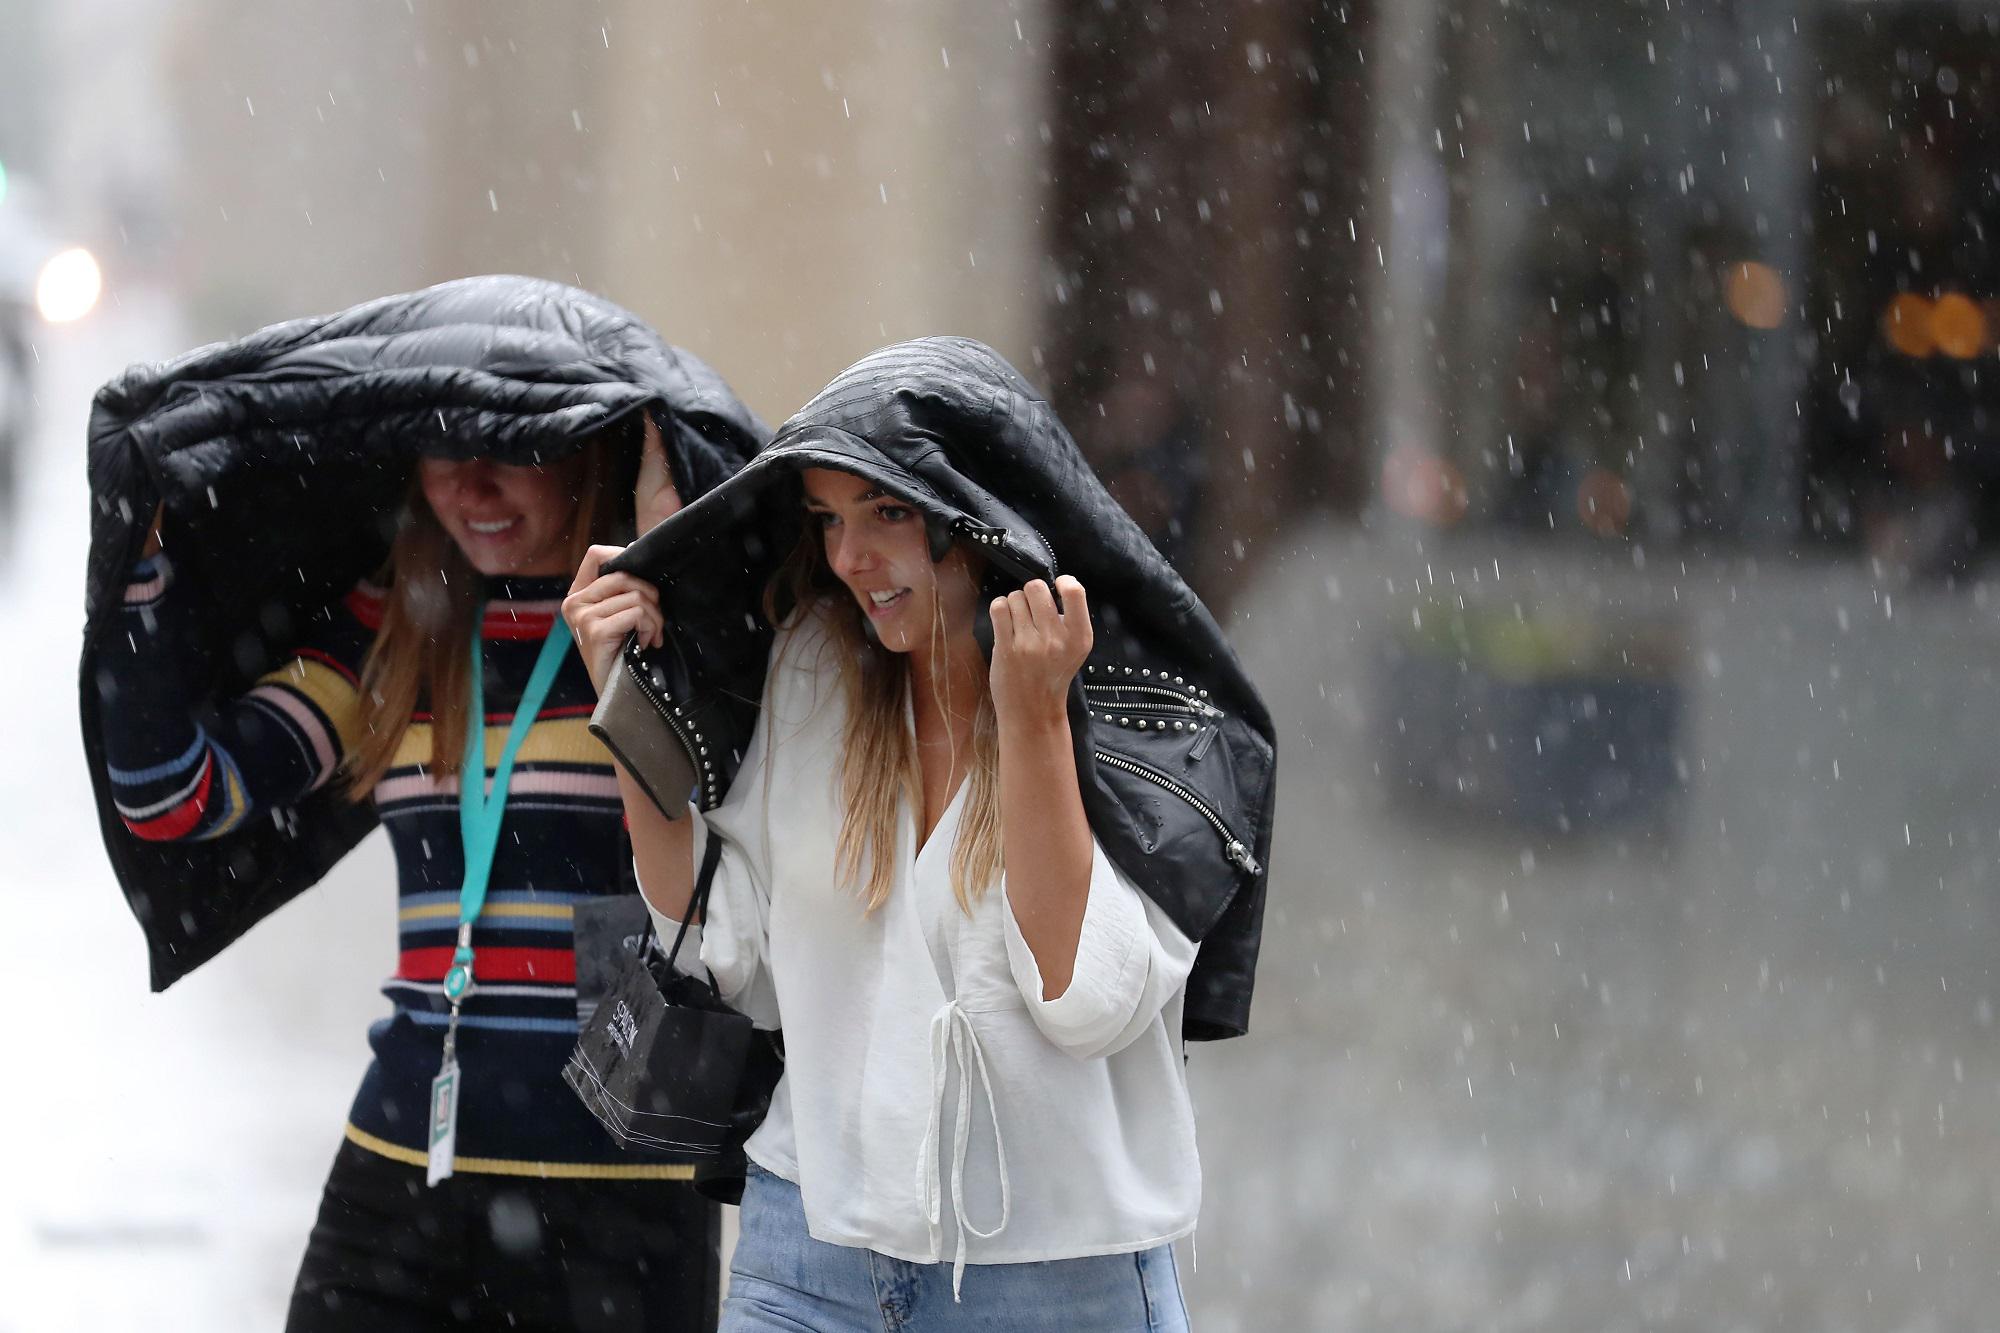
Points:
x=787 y=187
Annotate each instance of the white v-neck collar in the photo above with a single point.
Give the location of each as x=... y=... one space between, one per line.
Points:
x=919 y=843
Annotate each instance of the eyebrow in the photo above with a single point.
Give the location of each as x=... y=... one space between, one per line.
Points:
x=814 y=502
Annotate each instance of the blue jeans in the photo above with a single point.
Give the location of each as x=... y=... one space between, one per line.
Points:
x=783 y=1279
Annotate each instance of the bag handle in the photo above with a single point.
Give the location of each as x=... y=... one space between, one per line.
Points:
x=711 y=856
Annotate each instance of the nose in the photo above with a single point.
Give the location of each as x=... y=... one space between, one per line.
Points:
x=850 y=554
x=471 y=478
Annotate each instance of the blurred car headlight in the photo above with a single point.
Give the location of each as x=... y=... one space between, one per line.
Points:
x=68 y=286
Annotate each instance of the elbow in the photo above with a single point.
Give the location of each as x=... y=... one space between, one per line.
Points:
x=1086 y=1036
x=185 y=813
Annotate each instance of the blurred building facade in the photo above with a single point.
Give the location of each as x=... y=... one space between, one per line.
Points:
x=1659 y=275
x=780 y=191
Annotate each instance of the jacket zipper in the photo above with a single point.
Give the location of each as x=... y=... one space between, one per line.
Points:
x=1233 y=847
x=1199 y=707
x=671 y=716
x=1053 y=571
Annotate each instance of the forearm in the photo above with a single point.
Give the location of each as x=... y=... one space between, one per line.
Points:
x=1045 y=840
x=662 y=850
x=175 y=778
x=147 y=714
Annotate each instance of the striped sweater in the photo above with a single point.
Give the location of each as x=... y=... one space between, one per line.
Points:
x=186 y=768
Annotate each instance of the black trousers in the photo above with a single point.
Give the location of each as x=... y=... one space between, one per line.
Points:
x=390 y=1254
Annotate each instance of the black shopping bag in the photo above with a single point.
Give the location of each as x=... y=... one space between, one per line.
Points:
x=665 y=1064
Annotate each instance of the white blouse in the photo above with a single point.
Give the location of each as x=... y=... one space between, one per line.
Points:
x=933 y=1105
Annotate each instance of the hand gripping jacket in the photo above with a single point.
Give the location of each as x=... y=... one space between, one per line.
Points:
x=283 y=459
x=1173 y=745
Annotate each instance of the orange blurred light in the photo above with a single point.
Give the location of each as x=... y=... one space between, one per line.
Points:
x=1907 y=325
x=1604 y=502
x=1755 y=294
x=1416 y=483
x=1958 y=326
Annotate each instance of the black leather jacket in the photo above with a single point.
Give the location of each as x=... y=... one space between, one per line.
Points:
x=1173 y=745
x=283 y=459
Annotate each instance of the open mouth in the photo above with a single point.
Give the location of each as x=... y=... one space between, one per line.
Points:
x=886 y=603
x=492 y=527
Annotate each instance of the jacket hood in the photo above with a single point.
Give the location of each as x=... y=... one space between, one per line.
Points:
x=1174 y=745
x=283 y=459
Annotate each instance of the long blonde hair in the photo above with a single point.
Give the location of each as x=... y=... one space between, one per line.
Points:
x=879 y=767
x=432 y=594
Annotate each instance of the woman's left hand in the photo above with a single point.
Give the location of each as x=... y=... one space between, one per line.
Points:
x=1037 y=650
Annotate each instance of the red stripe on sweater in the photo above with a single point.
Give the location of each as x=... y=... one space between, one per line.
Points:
x=179 y=821
x=365 y=605
x=509 y=625
x=331 y=662
x=495 y=718
x=551 y=965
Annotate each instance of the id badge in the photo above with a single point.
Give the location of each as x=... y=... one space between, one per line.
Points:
x=443 y=1122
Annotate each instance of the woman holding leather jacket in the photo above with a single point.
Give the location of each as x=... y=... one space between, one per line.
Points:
x=444 y=698
x=984 y=1119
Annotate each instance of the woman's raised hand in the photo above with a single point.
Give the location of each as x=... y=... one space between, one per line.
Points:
x=1037 y=650
x=603 y=608
x=654 y=498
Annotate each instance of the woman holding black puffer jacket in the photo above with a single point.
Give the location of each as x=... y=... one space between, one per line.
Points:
x=251 y=708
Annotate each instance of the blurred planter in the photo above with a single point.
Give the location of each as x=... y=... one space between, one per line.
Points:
x=1555 y=723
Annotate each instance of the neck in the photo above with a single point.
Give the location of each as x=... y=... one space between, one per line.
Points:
x=952 y=676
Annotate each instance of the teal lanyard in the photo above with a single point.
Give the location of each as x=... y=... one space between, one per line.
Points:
x=479 y=809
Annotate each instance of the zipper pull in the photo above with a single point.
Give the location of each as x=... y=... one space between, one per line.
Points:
x=1204 y=737
x=1240 y=855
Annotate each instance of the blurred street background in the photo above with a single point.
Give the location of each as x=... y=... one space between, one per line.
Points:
x=1582 y=414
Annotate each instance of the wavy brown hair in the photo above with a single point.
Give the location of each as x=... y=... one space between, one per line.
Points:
x=432 y=594
x=879 y=767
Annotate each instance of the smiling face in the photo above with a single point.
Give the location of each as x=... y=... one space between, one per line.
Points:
x=877 y=547
x=506 y=519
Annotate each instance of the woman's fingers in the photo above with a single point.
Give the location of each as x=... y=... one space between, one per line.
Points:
x=607 y=586
x=1027 y=633
x=601 y=624
x=1042 y=606
x=634 y=619
x=1002 y=613
x=1078 y=633
x=592 y=566
x=595 y=616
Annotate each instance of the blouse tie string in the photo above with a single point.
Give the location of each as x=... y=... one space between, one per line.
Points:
x=955 y=1043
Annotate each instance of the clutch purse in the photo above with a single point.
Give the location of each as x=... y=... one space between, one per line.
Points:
x=651 y=737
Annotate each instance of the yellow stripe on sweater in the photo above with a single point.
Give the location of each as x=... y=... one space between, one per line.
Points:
x=563 y=740
x=494 y=1166
x=549 y=911
x=237 y=803
x=327 y=690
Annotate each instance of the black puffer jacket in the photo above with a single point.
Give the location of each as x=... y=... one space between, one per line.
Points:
x=283 y=459
x=1173 y=744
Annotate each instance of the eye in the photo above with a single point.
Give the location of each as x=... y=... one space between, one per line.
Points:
x=822 y=518
x=894 y=513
